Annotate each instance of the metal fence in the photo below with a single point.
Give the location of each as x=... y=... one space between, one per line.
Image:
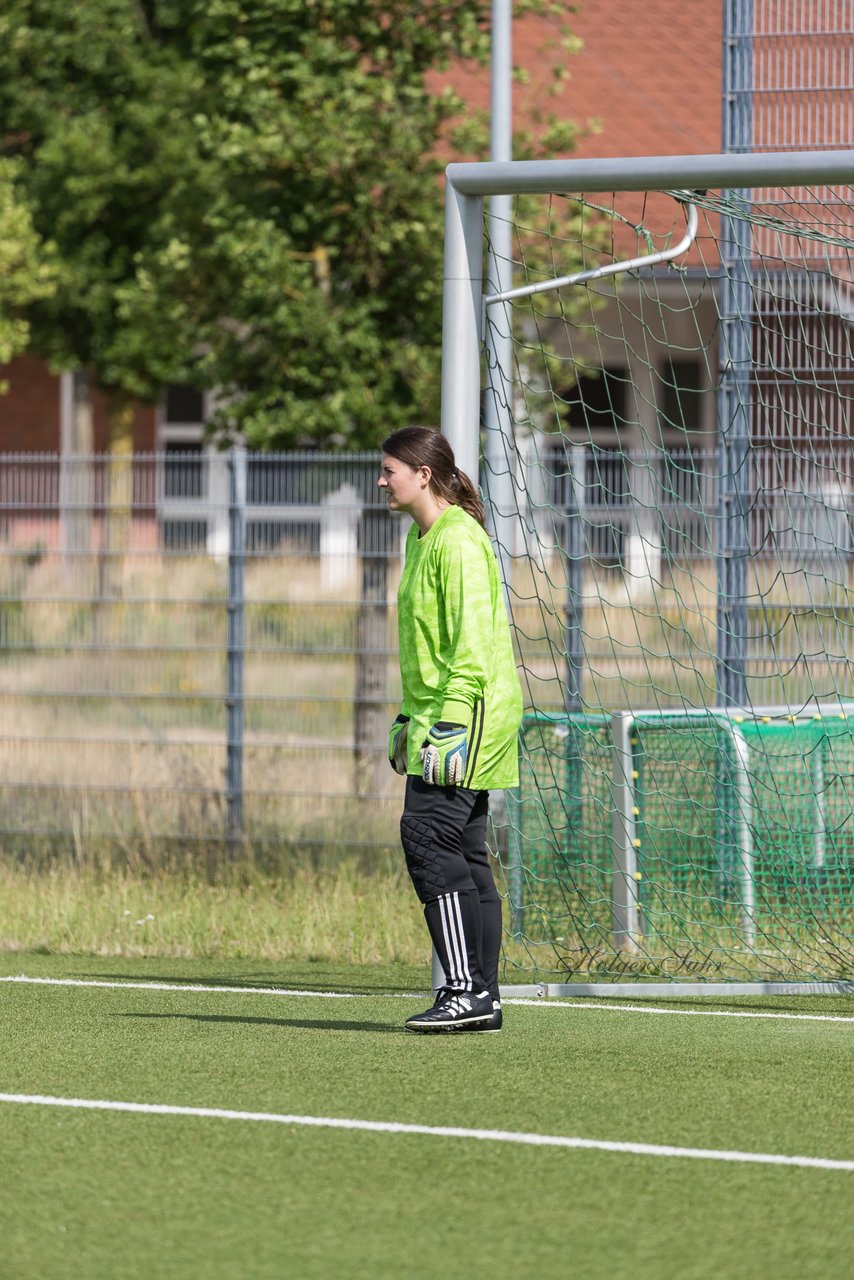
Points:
x=198 y=650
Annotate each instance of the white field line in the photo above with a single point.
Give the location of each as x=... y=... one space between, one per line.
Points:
x=435 y=1131
x=543 y=1003
x=192 y=986
x=698 y=1013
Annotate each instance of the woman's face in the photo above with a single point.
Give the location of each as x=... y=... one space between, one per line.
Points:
x=403 y=485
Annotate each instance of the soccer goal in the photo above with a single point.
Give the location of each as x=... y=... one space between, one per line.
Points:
x=664 y=348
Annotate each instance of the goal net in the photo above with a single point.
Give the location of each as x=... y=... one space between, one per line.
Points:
x=669 y=472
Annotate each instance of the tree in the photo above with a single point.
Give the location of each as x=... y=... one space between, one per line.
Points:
x=240 y=195
x=243 y=195
x=26 y=270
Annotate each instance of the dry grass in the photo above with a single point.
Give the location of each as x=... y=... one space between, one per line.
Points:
x=94 y=760
x=345 y=916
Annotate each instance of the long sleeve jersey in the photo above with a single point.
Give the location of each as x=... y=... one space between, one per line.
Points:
x=456 y=653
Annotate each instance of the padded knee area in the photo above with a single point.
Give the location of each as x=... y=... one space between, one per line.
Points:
x=422 y=862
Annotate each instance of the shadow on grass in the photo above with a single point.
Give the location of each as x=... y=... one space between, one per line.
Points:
x=311 y=1024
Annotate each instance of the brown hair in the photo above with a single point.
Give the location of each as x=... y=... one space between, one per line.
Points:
x=427 y=447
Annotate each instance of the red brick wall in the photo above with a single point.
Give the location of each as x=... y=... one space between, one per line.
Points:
x=29 y=412
x=647 y=80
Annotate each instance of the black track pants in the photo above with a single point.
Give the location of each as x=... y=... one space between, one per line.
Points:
x=443 y=832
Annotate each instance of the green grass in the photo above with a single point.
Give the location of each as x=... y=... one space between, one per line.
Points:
x=103 y=1195
x=343 y=913
x=340 y=913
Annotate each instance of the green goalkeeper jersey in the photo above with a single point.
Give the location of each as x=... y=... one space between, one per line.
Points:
x=456 y=653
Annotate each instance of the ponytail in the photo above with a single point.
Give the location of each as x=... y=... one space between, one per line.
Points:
x=465 y=495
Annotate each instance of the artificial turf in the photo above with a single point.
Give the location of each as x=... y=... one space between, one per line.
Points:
x=97 y=1195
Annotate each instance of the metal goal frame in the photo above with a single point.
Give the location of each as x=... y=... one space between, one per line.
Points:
x=464 y=307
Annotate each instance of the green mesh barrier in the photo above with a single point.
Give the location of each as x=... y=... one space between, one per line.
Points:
x=744 y=858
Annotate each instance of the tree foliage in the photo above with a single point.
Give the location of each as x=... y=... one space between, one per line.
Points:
x=242 y=194
x=26 y=269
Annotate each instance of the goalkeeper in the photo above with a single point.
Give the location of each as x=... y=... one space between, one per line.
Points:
x=456 y=735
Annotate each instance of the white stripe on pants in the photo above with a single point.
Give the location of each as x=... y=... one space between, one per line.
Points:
x=455 y=941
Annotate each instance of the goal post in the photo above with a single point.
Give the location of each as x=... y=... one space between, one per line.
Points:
x=675 y=829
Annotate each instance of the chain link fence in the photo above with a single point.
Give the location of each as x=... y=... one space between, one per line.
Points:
x=197 y=656
x=198 y=650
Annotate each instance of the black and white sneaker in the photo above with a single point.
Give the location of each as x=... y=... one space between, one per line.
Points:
x=491 y=1024
x=494 y=1023
x=455 y=1011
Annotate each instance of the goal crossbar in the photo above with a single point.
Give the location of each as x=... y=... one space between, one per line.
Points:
x=466 y=186
x=651 y=173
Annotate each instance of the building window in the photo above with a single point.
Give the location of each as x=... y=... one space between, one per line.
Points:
x=184 y=404
x=272 y=482
x=183 y=470
x=300 y=537
x=682 y=393
x=597 y=403
x=184 y=535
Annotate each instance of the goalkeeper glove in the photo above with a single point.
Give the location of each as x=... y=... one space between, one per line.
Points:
x=444 y=754
x=397 y=752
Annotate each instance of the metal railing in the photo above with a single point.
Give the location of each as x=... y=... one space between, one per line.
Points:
x=198 y=650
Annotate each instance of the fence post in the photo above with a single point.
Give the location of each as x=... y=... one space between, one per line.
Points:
x=76 y=469
x=736 y=372
x=574 y=561
x=371 y=703
x=235 y=642
x=745 y=838
x=515 y=856
x=573 y=630
x=624 y=891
